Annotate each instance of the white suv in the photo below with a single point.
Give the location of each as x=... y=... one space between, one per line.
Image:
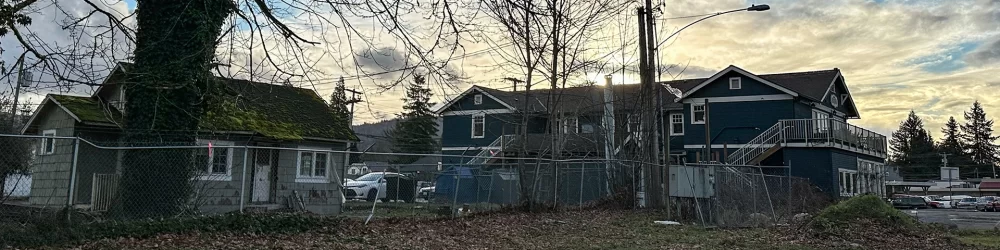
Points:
x=369 y=187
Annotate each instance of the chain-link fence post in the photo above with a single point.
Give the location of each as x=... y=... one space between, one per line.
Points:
x=72 y=179
x=243 y=179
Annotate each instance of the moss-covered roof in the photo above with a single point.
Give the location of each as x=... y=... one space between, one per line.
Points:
x=275 y=111
x=87 y=109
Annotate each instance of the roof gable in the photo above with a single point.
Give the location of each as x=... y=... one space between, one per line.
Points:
x=838 y=88
x=82 y=109
x=464 y=100
x=740 y=71
x=748 y=86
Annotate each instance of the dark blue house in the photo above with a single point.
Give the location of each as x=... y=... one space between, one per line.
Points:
x=794 y=119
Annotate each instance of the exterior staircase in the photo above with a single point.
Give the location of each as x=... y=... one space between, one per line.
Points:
x=492 y=150
x=809 y=133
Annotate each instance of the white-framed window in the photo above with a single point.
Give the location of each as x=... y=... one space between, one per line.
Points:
x=214 y=163
x=478 y=125
x=697 y=113
x=834 y=101
x=313 y=166
x=822 y=121
x=735 y=83
x=848 y=182
x=49 y=143
x=478 y=99
x=676 y=124
x=570 y=125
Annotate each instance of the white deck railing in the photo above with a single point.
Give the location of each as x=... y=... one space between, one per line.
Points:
x=812 y=133
x=486 y=153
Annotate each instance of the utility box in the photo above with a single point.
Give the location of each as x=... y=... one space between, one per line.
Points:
x=692 y=181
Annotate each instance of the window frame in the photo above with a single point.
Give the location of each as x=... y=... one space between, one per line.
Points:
x=206 y=174
x=313 y=177
x=674 y=121
x=694 y=118
x=477 y=99
x=821 y=124
x=564 y=125
x=482 y=130
x=738 y=81
x=48 y=145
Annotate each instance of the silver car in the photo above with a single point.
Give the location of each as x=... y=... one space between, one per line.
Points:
x=988 y=203
x=966 y=203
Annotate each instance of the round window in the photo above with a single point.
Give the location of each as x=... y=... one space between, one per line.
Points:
x=834 y=101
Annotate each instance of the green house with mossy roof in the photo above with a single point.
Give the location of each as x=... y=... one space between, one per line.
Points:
x=264 y=147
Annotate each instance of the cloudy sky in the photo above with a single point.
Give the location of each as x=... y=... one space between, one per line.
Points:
x=934 y=57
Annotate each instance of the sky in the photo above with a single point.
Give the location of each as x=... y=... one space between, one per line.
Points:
x=933 y=57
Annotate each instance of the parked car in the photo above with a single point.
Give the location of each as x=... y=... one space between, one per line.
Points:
x=942 y=203
x=369 y=187
x=931 y=202
x=910 y=202
x=988 y=203
x=966 y=203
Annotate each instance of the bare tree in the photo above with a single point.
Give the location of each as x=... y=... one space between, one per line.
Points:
x=556 y=41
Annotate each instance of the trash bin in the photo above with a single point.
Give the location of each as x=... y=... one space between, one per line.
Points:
x=401 y=187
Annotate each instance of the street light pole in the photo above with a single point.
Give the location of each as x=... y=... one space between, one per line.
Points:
x=762 y=7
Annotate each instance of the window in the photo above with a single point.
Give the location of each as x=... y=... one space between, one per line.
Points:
x=478 y=125
x=478 y=99
x=570 y=125
x=676 y=124
x=697 y=113
x=313 y=166
x=735 y=83
x=48 y=144
x=587 y=129
x=215 y=162
x=834 y=101
x=821 y=121
x=848 y=182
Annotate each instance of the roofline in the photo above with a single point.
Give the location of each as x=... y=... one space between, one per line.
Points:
x=732 y=68
x=834 y=82
x=118 y=65
x=38 y=110
x=466 y=92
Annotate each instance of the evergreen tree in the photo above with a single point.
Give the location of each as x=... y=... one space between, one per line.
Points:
x=338 y=102
x=978 y=138
x=417 y=127
x=913 y=149
x=951 y=144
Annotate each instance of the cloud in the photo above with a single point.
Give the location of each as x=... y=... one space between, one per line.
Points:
x=382 y=59
x=986 y=54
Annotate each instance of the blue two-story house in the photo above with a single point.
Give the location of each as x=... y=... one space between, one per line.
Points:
x=734 y=117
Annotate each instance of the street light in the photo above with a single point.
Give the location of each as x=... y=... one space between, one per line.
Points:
x=762 y=7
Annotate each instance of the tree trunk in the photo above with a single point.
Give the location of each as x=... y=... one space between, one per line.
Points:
x=167 y=91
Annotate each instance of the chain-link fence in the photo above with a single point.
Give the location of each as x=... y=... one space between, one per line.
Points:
x=741 y=196
x=101 y=177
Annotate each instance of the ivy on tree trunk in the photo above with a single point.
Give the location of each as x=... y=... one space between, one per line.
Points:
x=167 y=91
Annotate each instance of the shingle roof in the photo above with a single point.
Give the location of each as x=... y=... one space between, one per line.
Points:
x=87 y=109
x=276 y=111
x=809 y=84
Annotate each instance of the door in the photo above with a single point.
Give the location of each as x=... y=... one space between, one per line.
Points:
x=263 y=165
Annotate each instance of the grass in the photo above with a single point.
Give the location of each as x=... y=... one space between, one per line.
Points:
x=980 y=238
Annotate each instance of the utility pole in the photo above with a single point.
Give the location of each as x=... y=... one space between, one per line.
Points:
x=650 y=147
x=23 y=81
x=354 y=99
x=515 y=81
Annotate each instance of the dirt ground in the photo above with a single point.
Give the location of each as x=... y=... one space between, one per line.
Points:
x=591 y=229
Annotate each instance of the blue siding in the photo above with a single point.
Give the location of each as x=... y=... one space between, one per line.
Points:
x=468 y=102
x=455 y=156
x=457 y=129
x=741 y=117
x=813 y=163
x=803 y=110
x=720 y=88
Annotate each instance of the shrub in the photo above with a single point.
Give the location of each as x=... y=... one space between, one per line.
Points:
x=862 y=209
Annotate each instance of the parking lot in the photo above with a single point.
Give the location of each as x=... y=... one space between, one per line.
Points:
x=963 y=218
